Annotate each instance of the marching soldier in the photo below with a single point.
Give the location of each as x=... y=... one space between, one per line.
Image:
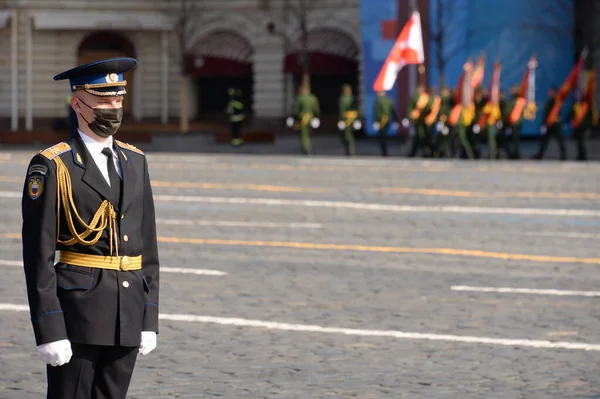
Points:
x=582 y=132
x=513 y=129
x=90 y=198
x=348 y=118
x=475 y=131
x=384 y=112
x=306 y=115
x=583 y=117
x=418 y=109
x=235 y=110
x=551 y=130
x=445 y=143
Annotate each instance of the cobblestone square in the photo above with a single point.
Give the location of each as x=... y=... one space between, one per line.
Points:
x=330 y=277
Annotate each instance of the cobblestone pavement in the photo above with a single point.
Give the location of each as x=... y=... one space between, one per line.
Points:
x=363 y=244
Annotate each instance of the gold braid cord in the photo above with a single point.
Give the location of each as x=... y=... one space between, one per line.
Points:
x=104 y=216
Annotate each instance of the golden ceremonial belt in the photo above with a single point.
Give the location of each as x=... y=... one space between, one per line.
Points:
x=124 y=263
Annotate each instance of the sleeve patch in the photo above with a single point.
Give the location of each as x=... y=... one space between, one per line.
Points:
x=35 y=186
x=37 y=169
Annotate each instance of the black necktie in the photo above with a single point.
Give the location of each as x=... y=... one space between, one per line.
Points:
x=115 y=180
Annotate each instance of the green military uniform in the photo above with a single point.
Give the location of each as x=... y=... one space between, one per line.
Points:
x=475 y=137
x=583 y=131
x=421 y=140
x=306 y=107
x=513 y=129
x=552 y=131
x=235 y=111
x=384 y=112
x=445 y=140
x=348 y=114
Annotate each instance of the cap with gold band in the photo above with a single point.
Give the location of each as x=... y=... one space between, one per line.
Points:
x=100 y=78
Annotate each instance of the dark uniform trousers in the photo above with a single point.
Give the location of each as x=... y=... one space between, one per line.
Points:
x=101 y=312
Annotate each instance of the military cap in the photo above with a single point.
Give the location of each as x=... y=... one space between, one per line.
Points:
x=100 y=78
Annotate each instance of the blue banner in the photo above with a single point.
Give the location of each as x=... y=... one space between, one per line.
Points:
x=509 y=31
x=374 y=15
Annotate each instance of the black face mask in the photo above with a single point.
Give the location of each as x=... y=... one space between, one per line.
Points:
x=106 y=120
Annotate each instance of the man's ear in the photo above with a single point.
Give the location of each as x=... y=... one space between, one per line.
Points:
x=75 y=103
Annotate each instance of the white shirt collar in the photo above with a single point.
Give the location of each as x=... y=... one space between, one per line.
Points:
x=94 y=146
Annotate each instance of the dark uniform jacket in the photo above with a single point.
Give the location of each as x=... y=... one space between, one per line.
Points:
x=89 y=305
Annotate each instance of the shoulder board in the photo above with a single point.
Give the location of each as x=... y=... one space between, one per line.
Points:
x=55 y=150
x=129 y=147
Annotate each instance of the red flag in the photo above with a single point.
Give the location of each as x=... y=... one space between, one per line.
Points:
x=565 y=89
x=582 y=108
x=525 y=105
x=491 y=111
x=408 y=49
x=478 y=72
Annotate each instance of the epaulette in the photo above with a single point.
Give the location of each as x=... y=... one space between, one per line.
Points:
x=129 y=147
x=55 y=150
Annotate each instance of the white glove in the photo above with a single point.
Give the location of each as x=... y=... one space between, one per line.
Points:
x=289 y=122
x=315 y=123
x=445 y=131
x=148 y=343
x=499 y=125
x=56 y=353
x=376 y=125
x=476 y=129
x=405 y=122
x=357 y=125
x=341 y=125
x=439 y=126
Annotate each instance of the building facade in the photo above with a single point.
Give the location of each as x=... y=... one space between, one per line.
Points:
x=251 y=44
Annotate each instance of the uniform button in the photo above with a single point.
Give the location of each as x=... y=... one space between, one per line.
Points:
x=125 y=284
x=125 y=238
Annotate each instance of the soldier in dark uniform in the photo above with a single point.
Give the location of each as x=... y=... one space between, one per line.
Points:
x=551 y=130
x=475 y=131
x=90 y=198
x=235 y=111
x=418 y=108
x=445 y=143
x=583 y=130
x=514 y=130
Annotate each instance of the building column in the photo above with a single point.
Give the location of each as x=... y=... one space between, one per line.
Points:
x=28 y=75
x=14 y=69
x=269 y=80
x=164 y=77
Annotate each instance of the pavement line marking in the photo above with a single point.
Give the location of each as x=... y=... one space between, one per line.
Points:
x=181 y=270
x=11 y=179
x=386 y=190
x=480 y=194
x=226 y=223
x=363 y=206
x=507 y=290
x=190 y=270
x=378 y=207
x=16 y=263
x=565 y=234
x=271 y=325
x=251 y=187
x=367 y=248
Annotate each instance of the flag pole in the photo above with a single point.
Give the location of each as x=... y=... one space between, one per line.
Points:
x=412 y=69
